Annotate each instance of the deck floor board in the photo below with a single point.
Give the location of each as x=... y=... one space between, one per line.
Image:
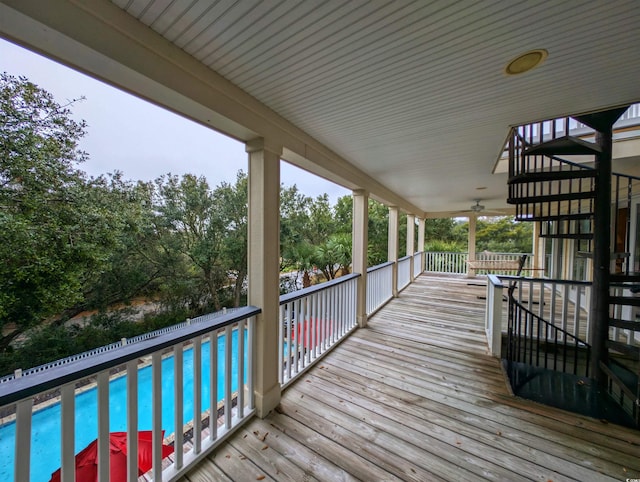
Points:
x=416 y=396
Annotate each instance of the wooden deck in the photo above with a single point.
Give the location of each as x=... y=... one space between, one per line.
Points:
x=416 y=397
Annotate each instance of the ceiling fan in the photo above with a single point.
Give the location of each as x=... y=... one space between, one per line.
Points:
x=478 y=208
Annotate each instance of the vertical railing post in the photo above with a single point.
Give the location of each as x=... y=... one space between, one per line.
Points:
x=263 y=269
x=411 y=230
x=392 y=246
x=493 y=315
x=359 y=250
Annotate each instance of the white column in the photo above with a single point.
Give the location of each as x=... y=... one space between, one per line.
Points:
x=537 y=244
x=411 y=233
x=264 y=266
x=392 y=246
x=421 y=225
x=471 y=248
x=360 y=242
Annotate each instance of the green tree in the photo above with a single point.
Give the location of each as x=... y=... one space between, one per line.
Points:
x=54 y=232
x=191 y=233
x=333 y=257
x=232 y=202
x=294 y=224
x=504 y=234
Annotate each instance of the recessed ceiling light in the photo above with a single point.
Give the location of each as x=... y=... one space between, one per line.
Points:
x=526 y=62
x=481 y=188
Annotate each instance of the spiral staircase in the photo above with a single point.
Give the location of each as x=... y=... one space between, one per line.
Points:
x=560 y=176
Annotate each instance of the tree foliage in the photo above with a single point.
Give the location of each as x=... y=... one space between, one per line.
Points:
x=54 y=232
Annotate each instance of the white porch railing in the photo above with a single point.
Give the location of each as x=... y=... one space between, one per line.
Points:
x=144 y=394
x=445 y=262
x=417 y=264
x=379 y=286
x=404 y=272
x=125 y=341
x=312 y=321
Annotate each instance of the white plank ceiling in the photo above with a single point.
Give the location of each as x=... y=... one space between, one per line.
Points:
x=413 y=92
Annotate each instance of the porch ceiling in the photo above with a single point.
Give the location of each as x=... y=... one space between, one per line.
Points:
x=411 y=92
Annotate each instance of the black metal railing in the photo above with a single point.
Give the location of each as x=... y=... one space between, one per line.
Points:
x=535 y=342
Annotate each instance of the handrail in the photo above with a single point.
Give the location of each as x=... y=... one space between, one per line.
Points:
x=380 y=266
x=118 y=344
x=507 y=277
x=495 y=280
x=521 y=346
x=25 y=387
x=404 y=258
x=296 y=295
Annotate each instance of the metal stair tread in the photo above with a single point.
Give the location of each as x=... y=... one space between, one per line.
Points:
x=632 y=277
x=601 y=121
x=626 y=324
x=556 y=217
x=570 y=196
x=566 y=145
x=624 y=348
x=551 y=176
x=624 y=300
x=567 y=235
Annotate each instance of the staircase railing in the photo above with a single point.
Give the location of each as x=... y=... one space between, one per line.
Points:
x=563 y=184
x=536 y=342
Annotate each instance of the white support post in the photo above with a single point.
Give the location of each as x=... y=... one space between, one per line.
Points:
x=392 y=246
x=471 y=248
x=264 y=265
x=411 y=233
x=360 y=242
x=493 y=315
x=537 y=263
x=421 y=225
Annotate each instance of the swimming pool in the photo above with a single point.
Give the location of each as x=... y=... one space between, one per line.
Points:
x=45 y=436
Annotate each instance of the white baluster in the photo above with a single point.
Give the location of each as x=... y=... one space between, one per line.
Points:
x=197 y=395
x=23 y=440
x=213 y=384
x=68 y=416
x=178 y=383
x=103 y=426
x=250 y=362
x=132 y=420
x=156 y=414
x=240 y=356
x=227 y=377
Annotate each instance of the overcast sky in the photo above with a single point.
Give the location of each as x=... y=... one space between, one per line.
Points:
x=140 y=139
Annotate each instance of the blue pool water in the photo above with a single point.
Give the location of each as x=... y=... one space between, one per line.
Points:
x=45 y=437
